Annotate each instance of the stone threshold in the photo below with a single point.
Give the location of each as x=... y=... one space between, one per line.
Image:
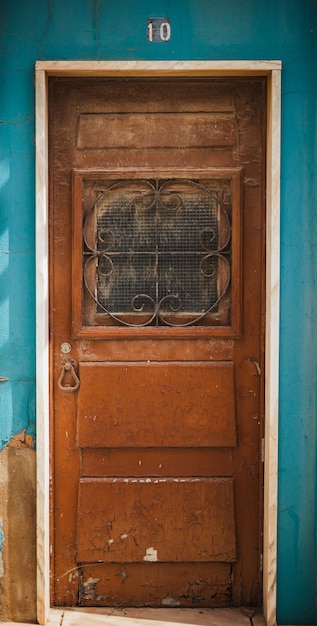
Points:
x=151 y=617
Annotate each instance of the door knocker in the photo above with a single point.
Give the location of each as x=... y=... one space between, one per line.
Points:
x=68 y=380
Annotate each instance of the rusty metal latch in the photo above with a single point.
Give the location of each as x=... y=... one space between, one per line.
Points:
x=68 y=380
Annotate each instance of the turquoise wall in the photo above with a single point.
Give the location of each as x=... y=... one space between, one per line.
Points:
x=201 y=29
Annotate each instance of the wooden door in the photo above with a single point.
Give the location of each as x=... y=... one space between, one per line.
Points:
x=157 y=257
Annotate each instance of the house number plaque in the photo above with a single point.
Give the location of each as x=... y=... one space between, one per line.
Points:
x=158 y=29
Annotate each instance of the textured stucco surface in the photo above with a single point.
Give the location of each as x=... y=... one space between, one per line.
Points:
x=17 y=545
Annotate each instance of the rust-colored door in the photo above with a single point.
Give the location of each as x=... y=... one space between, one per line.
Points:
x=156 y=257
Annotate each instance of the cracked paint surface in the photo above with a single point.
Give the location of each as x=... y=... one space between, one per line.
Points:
x=150 y=555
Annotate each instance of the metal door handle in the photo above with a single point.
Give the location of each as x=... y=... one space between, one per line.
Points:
x=68 y=367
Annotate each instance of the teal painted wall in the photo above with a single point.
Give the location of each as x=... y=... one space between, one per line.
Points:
x=201 y=29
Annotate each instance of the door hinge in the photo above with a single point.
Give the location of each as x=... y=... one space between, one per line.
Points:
x=262 y=450
x=261 y=562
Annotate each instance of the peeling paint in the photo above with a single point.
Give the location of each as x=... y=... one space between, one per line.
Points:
x=150 y=555
x=170 y=601
x=21 y=440
x=122 y=574
x=256 y=365
x=72 y=576
x=124 y=536
x=88 y=588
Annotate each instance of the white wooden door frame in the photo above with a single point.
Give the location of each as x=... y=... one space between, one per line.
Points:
x=270 y=69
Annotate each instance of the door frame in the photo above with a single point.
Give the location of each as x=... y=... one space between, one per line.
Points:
x=270 y=69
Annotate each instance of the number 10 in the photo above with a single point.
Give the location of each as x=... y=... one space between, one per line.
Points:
x=164 y=32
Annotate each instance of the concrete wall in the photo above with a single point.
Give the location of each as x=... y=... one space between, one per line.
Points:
x=201 y=29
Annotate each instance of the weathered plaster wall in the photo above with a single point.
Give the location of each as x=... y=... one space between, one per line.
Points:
x=17 y=531
x=201 y=29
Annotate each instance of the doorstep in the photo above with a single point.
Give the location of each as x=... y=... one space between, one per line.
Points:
x=152 y=617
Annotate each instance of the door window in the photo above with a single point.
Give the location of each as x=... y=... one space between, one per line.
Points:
x=158 y=252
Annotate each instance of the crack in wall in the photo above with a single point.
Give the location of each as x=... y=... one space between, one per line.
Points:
x=25 y=120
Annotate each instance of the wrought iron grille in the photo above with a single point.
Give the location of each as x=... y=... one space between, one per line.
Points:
x=157 y=252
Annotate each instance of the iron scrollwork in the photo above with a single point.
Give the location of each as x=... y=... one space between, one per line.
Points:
x=157 y=252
